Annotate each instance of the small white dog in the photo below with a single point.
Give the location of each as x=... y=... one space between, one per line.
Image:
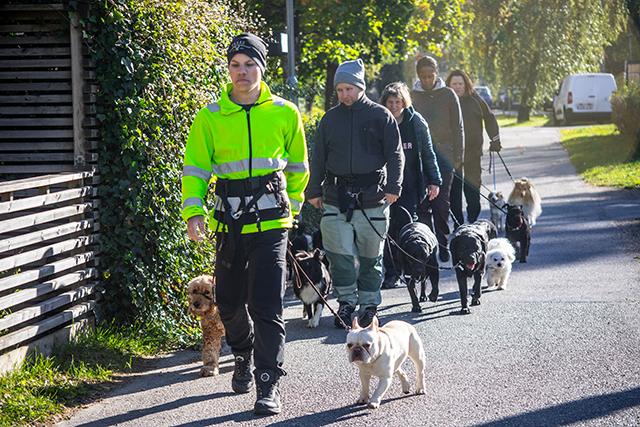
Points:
x=380 y=351
x=500 y=256
x=496 y=206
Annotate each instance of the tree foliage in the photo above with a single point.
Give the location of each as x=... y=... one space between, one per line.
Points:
x=159 y=62
x=532 y=44
x=377 y=31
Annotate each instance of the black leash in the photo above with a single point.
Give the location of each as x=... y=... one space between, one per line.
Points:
x=480 y=193
x=505 y=166
x=299 y=270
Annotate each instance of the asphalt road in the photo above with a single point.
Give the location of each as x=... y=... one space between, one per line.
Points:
x=559 y=347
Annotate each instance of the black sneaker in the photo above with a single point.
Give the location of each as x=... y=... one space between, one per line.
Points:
x=445 y=255
x=367 y=316
x=242 y=380
x=344 y=312
x=390 y=282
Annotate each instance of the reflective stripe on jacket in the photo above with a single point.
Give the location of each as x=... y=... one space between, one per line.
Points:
x=227 y=141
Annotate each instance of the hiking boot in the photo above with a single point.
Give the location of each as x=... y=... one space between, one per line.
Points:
x=367 y=316
x=344 y=312
x=242 y=380
x=268 y=394
x=445 y=255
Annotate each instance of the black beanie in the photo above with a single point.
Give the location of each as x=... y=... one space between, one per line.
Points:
x=252 y=46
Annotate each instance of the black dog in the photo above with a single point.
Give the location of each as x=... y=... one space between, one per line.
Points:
x=488 y=227
x=416 y=256
x=468 y=247
x=307 y=267
x=517 y=231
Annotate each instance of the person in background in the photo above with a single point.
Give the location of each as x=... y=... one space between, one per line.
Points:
x=356 y=173
x=421 y=177
x=252 y=144
x=475 y=111
x=439 y=105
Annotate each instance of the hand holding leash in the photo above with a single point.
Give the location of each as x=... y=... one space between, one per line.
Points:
x=196 y=228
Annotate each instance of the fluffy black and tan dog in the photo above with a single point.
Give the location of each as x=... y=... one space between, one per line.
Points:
x=416 y=256
x=310 y=266
x=468 y=247
x=517 y=231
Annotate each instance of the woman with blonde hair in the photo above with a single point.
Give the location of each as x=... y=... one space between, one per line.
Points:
x=421 y=176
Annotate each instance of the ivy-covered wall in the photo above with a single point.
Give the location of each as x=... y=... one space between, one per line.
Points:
x=159 y=62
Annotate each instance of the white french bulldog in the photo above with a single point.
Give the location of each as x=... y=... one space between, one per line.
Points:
x=380 y=351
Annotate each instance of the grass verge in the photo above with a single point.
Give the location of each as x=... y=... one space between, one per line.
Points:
x=602 y=156
x=44 y=387
x=507 y=121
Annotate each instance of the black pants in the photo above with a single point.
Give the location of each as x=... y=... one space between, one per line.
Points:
x=435 y=213
x=473 y=181
x=456 y=197
x=252 y=289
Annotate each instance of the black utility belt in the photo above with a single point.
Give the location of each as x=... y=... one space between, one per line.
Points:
x=248 y=186
x=356 y=180
x=251 y=218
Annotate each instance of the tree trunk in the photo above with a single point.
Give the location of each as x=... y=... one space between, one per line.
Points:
x=330 y=100
x=523 y=113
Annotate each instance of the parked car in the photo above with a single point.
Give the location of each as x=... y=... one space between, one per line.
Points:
x=584 y=97
x=485 y=93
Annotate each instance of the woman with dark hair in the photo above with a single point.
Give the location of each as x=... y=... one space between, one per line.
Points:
x=421 y=176
x=474 y=111
x=439 y=105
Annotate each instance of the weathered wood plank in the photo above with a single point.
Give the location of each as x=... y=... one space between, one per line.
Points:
x=42 y=181
x=35 y=75
x=30 y=28
x=21 y=110
x=38 y=291
x=24 y=16
x=35 y=134
x=28 y=40
x=47 y=251
x=36 y=169
x=33 y=7
x=44 y=217
x=38 y=146
x=36 y=63
x=40 y=236
x=36 y=157
x=39 y=273
x=35 y=87
x=17 y=205
x=37 y=99
x=24 y=334
x=45 y=307
x=37 y=122
x=22 y=52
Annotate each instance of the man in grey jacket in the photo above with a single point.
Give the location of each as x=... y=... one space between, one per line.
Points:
x=356 y=172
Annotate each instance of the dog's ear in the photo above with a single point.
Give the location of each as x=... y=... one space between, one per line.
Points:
x=374 y=324
x=355 y=324
x=318 y=255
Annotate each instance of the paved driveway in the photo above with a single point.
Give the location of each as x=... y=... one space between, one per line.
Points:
x=559 y=347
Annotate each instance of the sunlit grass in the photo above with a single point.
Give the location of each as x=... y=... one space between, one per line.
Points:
x=602 y=156
x=535 y=120
x=43 y=386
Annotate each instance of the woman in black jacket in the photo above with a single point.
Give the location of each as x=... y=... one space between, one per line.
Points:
x=421 y=175
x=474 y=111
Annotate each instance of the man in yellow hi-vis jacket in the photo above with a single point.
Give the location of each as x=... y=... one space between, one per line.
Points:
x=252 y=144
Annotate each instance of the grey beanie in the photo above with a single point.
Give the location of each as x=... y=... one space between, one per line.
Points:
x=351 y=72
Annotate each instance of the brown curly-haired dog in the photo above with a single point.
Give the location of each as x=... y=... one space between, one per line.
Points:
x=201 y=292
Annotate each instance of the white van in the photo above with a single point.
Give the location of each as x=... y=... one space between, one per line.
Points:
x=584 y=97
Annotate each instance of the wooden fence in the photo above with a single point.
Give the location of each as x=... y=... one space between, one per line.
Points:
x=48 y=246
x=49 y=229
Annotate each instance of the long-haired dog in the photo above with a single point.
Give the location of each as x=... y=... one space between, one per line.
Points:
x=416 y=256
x=496 y=207
x=468 y=247
x=517 y=231
x=201 y=295
x=310 y=268
x=525 y=194
x=500 y=256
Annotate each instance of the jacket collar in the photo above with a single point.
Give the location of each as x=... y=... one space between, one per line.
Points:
x=360 y=104
x=417 y=86
x=408 y=112
x=227 y=106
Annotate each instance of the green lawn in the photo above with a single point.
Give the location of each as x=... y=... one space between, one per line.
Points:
x=535 y=120
x=602 y=156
